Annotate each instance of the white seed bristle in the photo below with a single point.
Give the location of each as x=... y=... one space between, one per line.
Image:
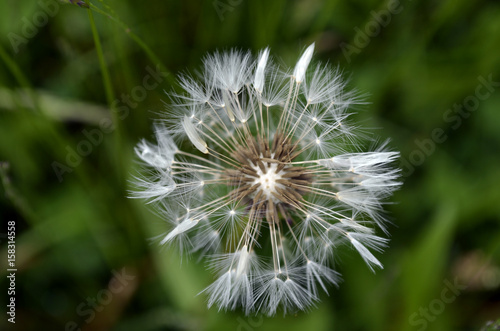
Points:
x=281 y=163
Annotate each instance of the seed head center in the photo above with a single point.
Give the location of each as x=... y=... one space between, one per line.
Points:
x=268 y=179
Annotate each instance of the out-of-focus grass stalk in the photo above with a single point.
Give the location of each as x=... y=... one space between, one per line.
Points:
x=14 y=69
x=18 y=202
x=57 y=140
x=123 y=60
x=152 y=56
x=108 y=89
x=131 y=227
x=21 y=79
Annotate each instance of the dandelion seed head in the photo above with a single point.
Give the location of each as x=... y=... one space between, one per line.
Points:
x=274 y=183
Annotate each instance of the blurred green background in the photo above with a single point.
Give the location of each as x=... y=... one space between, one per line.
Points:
x=83 y=257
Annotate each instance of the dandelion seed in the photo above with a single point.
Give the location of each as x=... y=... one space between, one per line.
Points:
x=258 y=82
x=269 y=192
x=301 y=67
x=194 y=136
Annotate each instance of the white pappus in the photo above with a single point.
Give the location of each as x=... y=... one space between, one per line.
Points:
x=261 y=170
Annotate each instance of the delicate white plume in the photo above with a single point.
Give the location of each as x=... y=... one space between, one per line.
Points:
x=300 y=69
x=184 y=226
x=158 y=156
x=372 y=241
x=258 y=82
x=193 y=135
x=243 y=261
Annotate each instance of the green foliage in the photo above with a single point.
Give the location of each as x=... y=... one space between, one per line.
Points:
x=64 y=169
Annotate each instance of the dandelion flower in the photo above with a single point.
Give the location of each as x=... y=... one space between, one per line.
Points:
x=260 y=169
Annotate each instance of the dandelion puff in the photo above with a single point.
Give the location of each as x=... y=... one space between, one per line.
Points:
x=274 y=91
x=234 y=287
x=157 y=156
x=322 y=85
x=196 y=93
x=317 y=273
x=207 y=239
x=280 y=291
x=219 y=292
x=229 y=70
x=353 y=223
x=359 y=241
x=153 y=188
x=177 y=225
x=228 y=222
x=262 y=170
